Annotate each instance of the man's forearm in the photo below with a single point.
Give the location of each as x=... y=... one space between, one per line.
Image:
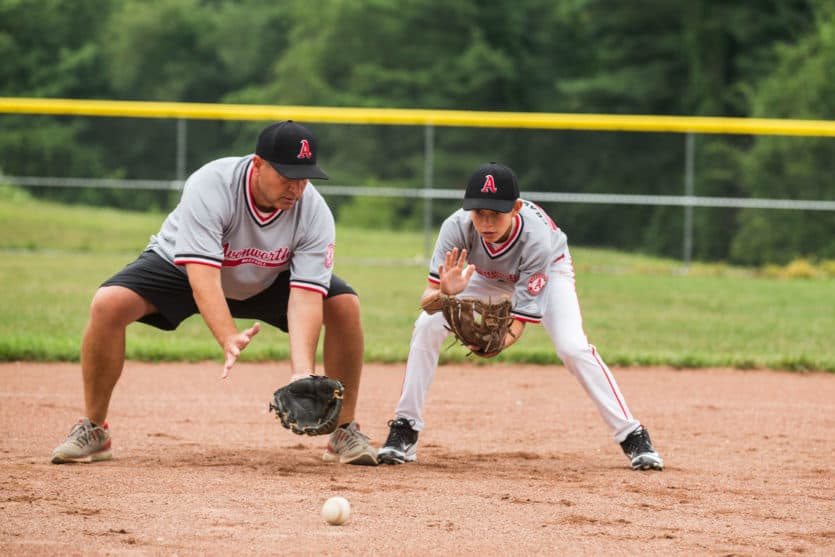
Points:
x=211 y=302
x=304 y=320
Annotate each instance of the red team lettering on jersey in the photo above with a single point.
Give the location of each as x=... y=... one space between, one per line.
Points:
x=254 y=256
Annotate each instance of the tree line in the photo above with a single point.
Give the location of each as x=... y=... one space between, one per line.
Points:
x=768 y=59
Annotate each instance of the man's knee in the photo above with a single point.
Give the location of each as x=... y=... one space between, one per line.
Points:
x=117 y=305
x=344 y=308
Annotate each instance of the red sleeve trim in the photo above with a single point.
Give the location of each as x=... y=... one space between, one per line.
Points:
x=197 y=262
x=321 y=291
x=525 y=319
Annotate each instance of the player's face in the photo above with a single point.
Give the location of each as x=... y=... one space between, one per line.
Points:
x=271 y=190
x=493 y=226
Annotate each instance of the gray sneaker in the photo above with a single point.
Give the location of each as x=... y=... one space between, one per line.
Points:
x=639 y=450
x=85 y=443
x=348 y=445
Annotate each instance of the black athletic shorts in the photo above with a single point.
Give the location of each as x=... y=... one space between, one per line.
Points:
x=168 y=289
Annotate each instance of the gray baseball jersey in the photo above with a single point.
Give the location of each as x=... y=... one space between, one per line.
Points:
x=216 y=223
x=518 y=266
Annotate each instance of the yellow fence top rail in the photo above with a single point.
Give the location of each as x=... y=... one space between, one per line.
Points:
x=397 y=116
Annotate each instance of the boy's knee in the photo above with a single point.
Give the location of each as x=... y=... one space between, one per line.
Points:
x=430 y=329
x=573 y=351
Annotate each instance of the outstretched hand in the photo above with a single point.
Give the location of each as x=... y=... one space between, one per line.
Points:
x=233 y=346
x=454 y=272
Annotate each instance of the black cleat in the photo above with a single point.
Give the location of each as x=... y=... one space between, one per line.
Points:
x=401 y=445
x=638 y=448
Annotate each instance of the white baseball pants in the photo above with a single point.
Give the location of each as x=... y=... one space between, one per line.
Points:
x=563 y=322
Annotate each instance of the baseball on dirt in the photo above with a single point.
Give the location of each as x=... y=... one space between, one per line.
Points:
x=336 y=510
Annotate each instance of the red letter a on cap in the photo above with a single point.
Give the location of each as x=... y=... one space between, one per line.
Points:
x=489 y=185
x=304 y=152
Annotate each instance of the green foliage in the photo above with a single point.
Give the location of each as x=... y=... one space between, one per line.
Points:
x=766 y=59
x=49 y=47
x=151 y=50
x=378 y=213
x=792 y=167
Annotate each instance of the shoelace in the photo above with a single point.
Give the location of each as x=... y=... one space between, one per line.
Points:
x=399 y=434
x=352 y=436
x=639 y=443
x=83 y=434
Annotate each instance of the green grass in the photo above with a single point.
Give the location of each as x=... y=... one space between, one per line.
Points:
x=638 y=310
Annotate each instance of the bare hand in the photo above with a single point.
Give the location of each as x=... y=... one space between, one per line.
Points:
x=234 y=345
x=454 y=272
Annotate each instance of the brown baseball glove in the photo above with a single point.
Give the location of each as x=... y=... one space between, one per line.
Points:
x=480 y=326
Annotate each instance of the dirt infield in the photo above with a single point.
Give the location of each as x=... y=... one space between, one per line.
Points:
x=513 y=461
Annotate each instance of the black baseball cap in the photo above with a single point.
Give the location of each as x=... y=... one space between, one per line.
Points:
x=492 y=186
x=291 y=149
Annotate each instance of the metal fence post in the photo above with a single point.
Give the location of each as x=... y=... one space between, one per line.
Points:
x=181 y=149
x=689 y=152
x=428 y=171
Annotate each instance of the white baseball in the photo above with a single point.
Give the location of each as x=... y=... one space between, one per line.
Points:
x=336 y=510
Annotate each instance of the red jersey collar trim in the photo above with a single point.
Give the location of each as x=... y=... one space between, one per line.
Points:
x=257 y=213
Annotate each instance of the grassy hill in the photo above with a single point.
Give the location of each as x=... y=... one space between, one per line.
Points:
x=637 y=309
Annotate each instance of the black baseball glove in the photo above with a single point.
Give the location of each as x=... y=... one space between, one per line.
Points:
x=309 y=406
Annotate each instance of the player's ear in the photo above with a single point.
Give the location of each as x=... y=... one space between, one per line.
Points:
x=259 y=164
x=517 y=206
